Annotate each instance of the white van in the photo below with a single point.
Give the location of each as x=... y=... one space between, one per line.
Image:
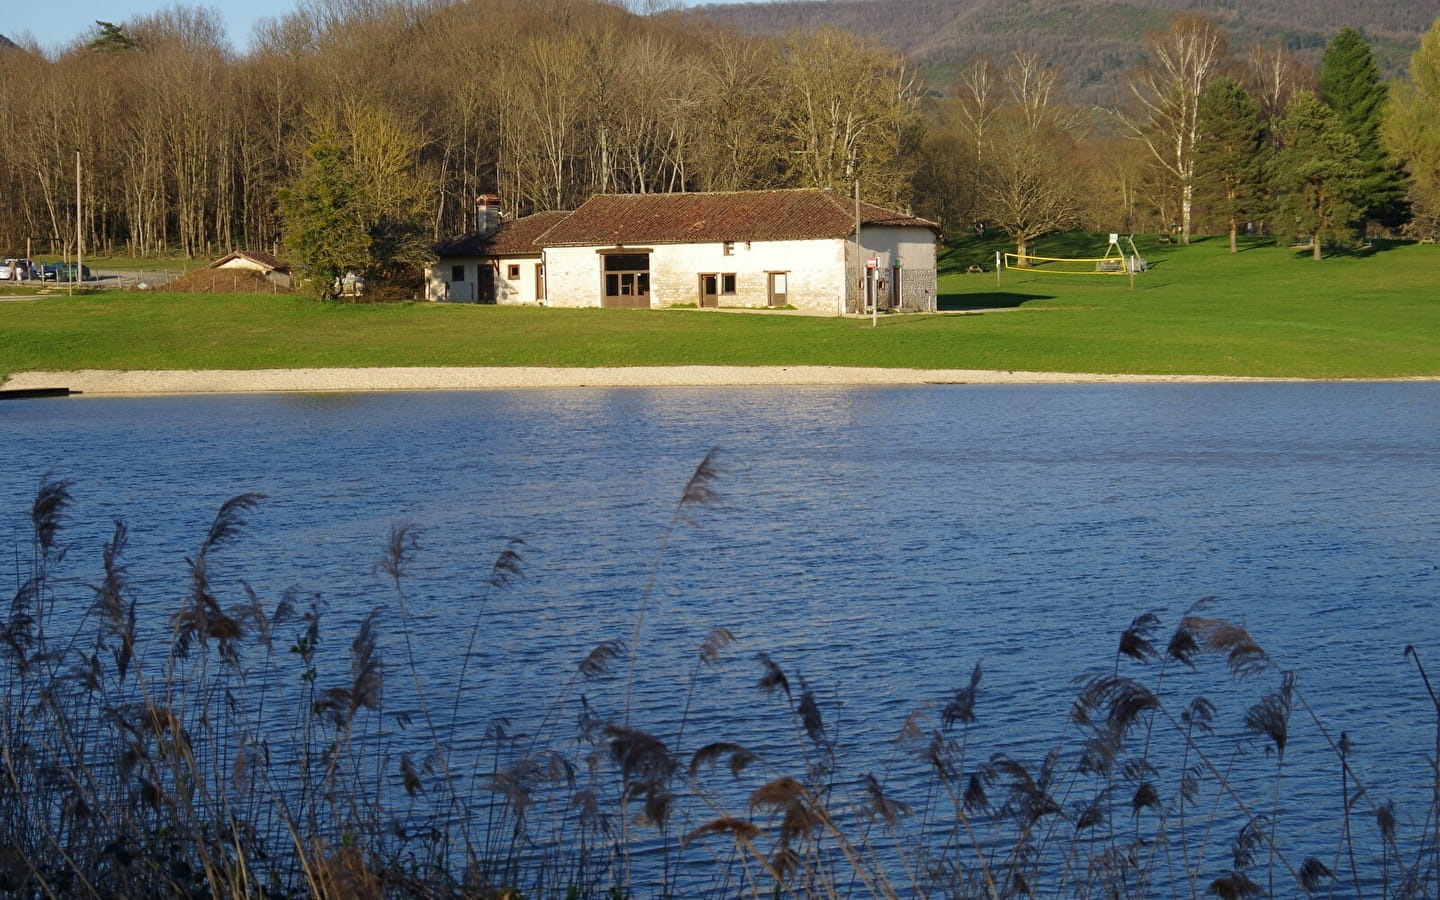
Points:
x=18 y=270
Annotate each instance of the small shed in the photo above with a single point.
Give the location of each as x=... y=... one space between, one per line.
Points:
x=266 y=265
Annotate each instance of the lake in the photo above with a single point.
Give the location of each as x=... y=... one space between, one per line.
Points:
x=875 y=543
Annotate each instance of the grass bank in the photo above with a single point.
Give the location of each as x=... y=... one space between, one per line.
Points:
x=1266 y=311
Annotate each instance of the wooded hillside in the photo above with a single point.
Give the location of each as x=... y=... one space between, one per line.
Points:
x=1095 y=43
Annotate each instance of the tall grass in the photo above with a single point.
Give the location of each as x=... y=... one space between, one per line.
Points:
x=243 y=756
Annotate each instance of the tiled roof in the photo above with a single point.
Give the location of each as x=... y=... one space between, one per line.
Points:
x=609 y=219
x=612 y=219
x=516 y=237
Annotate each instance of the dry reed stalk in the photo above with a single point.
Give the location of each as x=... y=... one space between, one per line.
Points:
x=699 y=491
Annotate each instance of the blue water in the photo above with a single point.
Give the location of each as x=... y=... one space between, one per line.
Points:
x=877 y=542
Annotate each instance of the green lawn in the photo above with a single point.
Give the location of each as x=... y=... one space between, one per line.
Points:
x=1267 y=311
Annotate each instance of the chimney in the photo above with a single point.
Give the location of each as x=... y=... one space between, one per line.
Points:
x=488 y=212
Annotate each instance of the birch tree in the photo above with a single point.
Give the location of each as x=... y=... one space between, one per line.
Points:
x=542 y=114
x=1182 y=60
x=1272 y=76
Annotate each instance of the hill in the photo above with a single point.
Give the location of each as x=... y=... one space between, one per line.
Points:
x=1095 y=42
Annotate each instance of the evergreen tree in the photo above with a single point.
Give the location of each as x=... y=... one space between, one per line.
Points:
x=112 y=38
x=323 y=212
x=1350 y=85
x=1319 y=178
x=1230 y=153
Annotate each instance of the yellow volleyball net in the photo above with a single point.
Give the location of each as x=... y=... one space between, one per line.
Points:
x=1115 y=261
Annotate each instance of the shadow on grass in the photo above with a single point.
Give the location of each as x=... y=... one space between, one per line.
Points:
x=987 y=300
x=1372 y=247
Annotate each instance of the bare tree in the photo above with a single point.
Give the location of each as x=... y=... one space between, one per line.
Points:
x=1031 y=184
x=844 y=106
x=1182 y=60
x=737 y=143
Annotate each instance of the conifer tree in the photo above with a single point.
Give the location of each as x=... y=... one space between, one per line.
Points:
x=1319 y=178
x=1230 y=153
x=1350 y=85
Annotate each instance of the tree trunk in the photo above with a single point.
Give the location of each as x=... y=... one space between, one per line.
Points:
x=1187 y=203
x=1315 y=247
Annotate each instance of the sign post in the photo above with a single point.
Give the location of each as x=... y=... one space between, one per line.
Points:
x=871 y=265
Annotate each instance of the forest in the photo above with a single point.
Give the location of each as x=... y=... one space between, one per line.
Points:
x=153 y=137
x=1097 y=43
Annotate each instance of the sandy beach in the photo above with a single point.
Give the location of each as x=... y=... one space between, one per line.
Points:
x=101 y=382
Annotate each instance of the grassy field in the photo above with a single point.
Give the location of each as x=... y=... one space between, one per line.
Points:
x=1267 y=311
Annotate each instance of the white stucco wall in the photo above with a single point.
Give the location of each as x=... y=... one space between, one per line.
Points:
x=521 y=291
x=572 y=276
x=438 y=285
x=913 y=247
x=814 y=273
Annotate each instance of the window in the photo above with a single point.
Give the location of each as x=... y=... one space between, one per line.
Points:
x=457 y=273
x=728 y=248
x=714 y=285
x=512 y=272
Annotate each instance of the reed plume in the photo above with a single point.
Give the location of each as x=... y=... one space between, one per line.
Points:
x=116 y=615
x=201 y=618
x=961 y=707
x=47 y=514
x=738 y=756
x=366 y=687
x=699 y=491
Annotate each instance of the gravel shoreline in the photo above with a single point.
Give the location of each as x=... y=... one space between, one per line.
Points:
x=113 y=382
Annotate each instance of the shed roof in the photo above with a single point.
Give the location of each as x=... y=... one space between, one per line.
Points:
x=267 y=261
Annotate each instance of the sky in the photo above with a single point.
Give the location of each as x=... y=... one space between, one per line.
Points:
x=56 y=23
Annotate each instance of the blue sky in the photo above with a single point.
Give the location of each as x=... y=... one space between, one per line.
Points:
x=55 y=23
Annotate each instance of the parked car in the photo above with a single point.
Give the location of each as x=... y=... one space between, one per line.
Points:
x=63 y=271
x=18 y=270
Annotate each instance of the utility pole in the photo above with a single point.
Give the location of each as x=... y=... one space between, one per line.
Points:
x=79 y=235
